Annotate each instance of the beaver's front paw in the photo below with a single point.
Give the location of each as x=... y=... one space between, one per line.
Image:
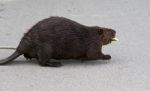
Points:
x=106 y=57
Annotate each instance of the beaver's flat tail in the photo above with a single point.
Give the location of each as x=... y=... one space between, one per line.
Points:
x=10 y=58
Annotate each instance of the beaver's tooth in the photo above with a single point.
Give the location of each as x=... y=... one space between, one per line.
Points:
x=115 y=39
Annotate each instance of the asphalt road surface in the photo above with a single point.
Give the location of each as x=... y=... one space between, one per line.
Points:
x=128 y=70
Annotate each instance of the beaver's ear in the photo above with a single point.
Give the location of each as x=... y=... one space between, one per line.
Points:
x=101 y=31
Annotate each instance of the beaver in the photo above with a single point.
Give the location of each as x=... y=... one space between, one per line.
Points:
x=62 y=38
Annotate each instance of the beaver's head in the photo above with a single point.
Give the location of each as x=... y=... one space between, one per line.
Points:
x=107 y=35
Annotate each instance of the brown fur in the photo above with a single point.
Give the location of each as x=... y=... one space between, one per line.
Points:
x=62 y=38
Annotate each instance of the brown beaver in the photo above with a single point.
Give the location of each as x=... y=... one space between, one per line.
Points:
x=62 y=38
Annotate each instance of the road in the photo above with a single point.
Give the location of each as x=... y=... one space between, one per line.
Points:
x=128 y=70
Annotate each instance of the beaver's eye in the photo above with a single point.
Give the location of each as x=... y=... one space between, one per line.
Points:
x=113 y=35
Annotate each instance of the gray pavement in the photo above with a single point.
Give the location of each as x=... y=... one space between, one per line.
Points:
x=128 y=70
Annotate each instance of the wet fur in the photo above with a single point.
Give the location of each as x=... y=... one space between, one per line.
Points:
x=62 y=38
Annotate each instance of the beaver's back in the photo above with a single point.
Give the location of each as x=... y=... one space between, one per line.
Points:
x=66 y=37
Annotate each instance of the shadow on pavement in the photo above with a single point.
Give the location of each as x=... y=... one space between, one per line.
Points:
x=64 y=62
